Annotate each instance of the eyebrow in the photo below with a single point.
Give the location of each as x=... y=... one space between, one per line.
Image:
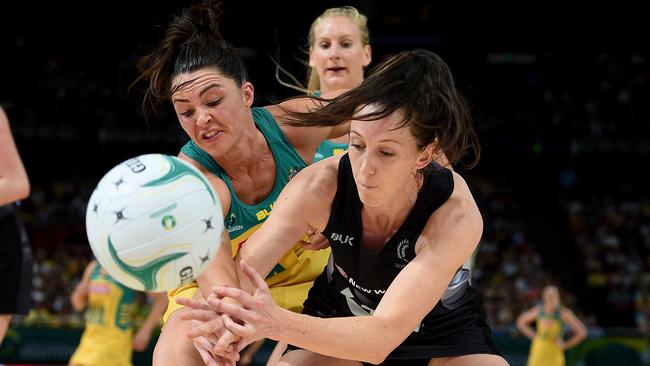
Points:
x=203 y=91
x=384 y=140
x=345 y=37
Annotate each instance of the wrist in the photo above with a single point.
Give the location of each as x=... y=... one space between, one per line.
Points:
x=280 y=323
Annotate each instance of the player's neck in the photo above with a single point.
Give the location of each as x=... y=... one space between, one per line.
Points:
x=549 y=308
x=248 y=153
x=389 y=217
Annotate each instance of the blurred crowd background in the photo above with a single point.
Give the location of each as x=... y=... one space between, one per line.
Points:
x=560 y=104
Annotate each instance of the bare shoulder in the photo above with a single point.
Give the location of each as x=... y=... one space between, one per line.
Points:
x=278 y=110
x=456 y=226
x=534 y=310
x=528 y=315
x=309 y=195
x=300 y=104
x=461 y=201
x=461 y=189
x=321 y=177
x=566 y=312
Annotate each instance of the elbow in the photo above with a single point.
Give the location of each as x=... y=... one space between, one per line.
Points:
x=582 y=333
x=14 y=192
x=377 y=359
x=77 y=306
x=20 y=190
x=380 y=352
x=520 y=324
x=24 y=191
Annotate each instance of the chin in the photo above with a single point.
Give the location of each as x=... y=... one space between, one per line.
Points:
x=337 y=82
x=371 y=200
x=215 y=149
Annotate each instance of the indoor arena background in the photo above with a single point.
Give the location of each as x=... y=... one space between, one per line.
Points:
x=560 y=101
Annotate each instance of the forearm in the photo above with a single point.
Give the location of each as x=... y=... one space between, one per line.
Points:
x=574 y=340
x=78 y=301
x=220 y=271
x=363 y=338
x=526 y=330
x=13 y=191
x=213 y=275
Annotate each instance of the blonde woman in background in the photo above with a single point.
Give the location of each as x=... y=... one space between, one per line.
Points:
x=548 y=344
x=339 y=52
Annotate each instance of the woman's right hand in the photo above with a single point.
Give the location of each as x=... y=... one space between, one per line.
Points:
x=211 y=338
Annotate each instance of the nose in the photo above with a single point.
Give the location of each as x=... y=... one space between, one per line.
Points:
x=367 y=167
x=203 y=118
x=334 y=52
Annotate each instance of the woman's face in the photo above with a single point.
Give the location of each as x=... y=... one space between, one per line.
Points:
x=338 y=54
x=212 y=109
x=551 y=296
x=384 y=159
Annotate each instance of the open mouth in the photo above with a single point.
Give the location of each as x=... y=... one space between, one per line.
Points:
x=336 y=69
x=211 y=135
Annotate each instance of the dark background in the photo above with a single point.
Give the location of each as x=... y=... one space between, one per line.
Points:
x=559 y=98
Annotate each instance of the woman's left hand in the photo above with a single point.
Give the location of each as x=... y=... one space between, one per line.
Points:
x=208 y=331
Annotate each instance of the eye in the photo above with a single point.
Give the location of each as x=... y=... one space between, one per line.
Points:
x=386 y=153
x=324 y=45
x=346 y=44
x=357 y=146
x=214 y=103
x=187 y=114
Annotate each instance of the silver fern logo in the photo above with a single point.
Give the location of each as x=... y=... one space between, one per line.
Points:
x=402 y=247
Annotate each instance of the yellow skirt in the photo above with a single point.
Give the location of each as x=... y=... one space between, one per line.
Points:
x=545 y=353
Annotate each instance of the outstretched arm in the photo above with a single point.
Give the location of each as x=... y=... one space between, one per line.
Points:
x=14 y=183
x=525 y=319
x=302 y=206
x=221 y=269
x=450 y=236
x=577 y=328
x=287 y=223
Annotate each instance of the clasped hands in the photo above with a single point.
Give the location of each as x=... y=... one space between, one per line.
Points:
x=230 y=319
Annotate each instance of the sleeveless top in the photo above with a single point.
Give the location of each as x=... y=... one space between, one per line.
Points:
x=111 y=305
x=107 y=339
x=362 y=277
x=298 y=266
x=544 y=351
x=356 y=280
